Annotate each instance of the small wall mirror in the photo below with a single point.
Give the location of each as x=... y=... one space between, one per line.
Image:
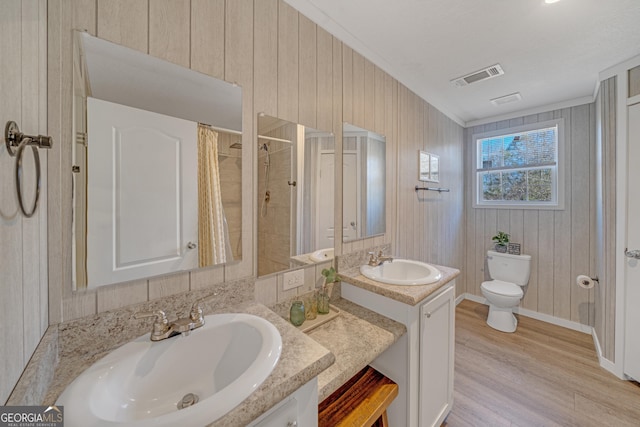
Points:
x=295 y=195
x=429 y=167
x=363 y=183
x=156 y=166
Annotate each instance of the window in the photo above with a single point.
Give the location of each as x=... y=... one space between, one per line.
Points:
x=520 y=167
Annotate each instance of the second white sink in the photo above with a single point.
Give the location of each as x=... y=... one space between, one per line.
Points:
x=322 y=255
x=403 y=272
x=206 y=374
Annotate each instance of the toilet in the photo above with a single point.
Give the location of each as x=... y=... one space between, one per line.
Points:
x=509 y=273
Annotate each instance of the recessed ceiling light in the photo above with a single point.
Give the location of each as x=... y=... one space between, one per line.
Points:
x=551 y=1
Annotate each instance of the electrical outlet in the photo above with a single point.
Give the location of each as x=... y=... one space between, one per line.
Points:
x=293 y=279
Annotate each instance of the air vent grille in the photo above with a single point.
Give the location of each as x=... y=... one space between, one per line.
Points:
x=512 y=97
x=477 y=76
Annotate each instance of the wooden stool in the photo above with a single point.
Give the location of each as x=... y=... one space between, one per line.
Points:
x=360 y=402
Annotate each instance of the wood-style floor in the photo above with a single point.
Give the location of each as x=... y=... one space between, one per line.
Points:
x=542 y=375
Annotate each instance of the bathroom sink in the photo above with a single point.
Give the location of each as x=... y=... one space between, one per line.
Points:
x=206 y=374
x=404 y=272
x=322 y=255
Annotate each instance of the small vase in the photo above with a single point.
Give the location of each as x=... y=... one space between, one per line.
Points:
x=323 y=303
x=296 y=314
x=311 y=306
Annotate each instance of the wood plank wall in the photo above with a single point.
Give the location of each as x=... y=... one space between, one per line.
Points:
x=561 y=242
x=288 y=67
x=23 y=248
x=605 y=291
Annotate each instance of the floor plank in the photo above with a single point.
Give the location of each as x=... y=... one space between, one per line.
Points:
x=541 y=375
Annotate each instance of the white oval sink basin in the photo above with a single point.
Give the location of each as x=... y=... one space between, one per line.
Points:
x=402 y=272
x=322 y=255
x=141 y=383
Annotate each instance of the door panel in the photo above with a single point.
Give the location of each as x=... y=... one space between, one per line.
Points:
x=350 y=197
x=142 y=203
x=632 y=266
x=325 y=201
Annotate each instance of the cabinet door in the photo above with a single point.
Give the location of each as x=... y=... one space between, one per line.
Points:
x=436 y=358
x=285 y=416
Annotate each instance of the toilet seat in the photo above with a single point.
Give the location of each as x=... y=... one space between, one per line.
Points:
x=499 y=287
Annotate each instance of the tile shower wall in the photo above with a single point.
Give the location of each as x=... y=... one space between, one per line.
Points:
x=288 y=68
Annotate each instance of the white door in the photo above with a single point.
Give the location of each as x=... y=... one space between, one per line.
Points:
x=142 y=209
x=325 y=201
x=350 y=223
x=632 y=265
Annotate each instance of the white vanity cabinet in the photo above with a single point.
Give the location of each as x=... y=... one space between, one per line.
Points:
x=298 y=409
x=437 y=339
x=422 y=361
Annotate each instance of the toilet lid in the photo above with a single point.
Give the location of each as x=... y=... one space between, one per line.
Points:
x=503 y=288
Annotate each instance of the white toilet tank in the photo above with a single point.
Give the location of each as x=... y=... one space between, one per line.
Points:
x=509 y=268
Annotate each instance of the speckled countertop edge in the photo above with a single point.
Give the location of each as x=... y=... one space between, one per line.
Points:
x=356 y=337
x=301 y=360
x=411 y=295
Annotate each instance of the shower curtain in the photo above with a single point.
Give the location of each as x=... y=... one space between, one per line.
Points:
x=212 y=233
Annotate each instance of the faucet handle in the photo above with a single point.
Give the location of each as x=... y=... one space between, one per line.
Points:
x=372 y=258
x=161 y=324
x=196 y=309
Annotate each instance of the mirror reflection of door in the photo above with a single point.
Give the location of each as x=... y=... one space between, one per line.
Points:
x=364 y=182
x=325 y=204
x=142 y=215
x=350 y=222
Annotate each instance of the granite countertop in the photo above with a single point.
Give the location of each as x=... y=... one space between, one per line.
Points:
x=356 y=337
x=301 y=360
x=411 y=295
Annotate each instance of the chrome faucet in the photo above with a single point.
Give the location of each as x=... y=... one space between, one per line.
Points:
x=163 y=329
x=376 y=260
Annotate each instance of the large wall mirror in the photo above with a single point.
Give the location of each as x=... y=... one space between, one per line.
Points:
x=363 y=183
x=157 y=158
x=295 y=195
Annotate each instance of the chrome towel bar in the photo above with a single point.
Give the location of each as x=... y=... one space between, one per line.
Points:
x=14 y=138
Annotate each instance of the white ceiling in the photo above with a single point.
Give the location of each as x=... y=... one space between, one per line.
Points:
x=551 y=53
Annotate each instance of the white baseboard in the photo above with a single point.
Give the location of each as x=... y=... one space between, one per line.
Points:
x=605 y=363
x=538 y=316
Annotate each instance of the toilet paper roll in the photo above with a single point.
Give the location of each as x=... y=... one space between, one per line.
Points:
x=584 y=282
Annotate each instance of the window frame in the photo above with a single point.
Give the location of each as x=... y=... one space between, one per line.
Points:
x=557 y=204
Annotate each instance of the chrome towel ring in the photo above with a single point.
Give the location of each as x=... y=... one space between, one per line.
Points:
x=14 y=138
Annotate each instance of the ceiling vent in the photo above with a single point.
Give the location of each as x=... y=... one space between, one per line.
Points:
x=487 y=73
x=513 y=97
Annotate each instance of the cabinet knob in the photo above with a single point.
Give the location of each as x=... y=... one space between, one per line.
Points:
x=428 y=314
x=292 y=424
x=191 y=245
